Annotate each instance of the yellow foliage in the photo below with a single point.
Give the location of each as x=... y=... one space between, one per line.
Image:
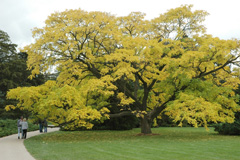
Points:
x=148 y=65
x=197 y=111
x=9 y=107
x=124 y=99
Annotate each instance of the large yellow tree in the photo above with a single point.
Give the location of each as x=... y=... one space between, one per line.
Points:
x=167 y=64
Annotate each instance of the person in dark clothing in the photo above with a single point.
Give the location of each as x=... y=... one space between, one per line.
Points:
x=45 y=124
x=40 y=126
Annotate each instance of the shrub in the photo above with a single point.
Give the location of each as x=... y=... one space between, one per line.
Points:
x=119 y=123
x=229 y=129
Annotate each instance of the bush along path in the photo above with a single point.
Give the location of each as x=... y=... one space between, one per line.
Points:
x=12 y=148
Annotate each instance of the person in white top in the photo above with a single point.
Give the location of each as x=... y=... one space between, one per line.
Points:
x=24 y=128
x=19 y=126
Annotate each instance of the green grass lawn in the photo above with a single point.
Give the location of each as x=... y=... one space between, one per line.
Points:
x=170 y=144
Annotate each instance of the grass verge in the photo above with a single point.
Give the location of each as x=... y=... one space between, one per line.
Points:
x=167 y=144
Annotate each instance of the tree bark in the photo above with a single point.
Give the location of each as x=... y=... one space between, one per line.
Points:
x=121 y=114
x=146 y=125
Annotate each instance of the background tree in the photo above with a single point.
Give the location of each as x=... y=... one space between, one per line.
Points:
x=144 y=67
x=13 y=73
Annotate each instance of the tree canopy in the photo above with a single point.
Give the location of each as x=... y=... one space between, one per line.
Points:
x=145 y=67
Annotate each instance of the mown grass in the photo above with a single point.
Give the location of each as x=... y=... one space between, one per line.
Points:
x=170 y=144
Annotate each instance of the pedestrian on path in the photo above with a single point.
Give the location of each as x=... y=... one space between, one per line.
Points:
x=24 y=128
x=40 y=125
x=20 y=127
x=45 y=124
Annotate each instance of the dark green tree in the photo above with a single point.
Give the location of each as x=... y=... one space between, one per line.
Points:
x=13 y=73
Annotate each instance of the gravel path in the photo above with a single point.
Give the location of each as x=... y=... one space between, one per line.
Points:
x=12 y=148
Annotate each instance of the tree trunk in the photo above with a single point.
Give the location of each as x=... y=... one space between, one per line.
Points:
x=146 y=125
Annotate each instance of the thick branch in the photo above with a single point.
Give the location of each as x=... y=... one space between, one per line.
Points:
x=152 y=84
x=157 y=110
x=128 y=93
x=60 y=124
x=216 y=69
x=121 y=114
x=144 y=83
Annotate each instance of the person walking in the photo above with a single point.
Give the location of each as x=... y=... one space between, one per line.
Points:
x=24 y=128
x=20 y=127
x=45 y=124
x=40 y=125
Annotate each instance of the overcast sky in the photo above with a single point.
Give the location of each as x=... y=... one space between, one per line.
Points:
x=18 y=17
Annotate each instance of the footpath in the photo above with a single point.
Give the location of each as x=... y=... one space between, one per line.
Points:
x=12 y=148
